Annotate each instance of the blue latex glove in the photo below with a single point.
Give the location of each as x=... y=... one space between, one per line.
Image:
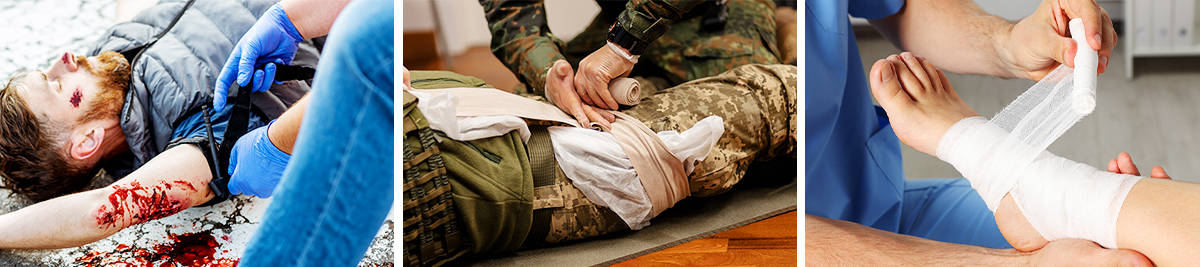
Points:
x=262 y=164
x=272 y=40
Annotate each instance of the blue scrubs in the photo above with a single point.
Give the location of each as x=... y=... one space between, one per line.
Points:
x=853 y=167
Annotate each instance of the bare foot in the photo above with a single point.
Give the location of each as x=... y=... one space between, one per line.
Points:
x=919 y=101
x=922 y=105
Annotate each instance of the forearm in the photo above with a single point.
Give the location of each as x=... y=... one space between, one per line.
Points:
x=956 y=35
x=830 y=242
x=169 y=183
x=1161 y=219
x=521 y=39
x=61 y=222
x=283 y=132
x=647 y=20
x=313 y=18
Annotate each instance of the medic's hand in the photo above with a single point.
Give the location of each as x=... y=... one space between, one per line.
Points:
x=272 y=40
x=560 y=90
x=1123 y=164
x=1039 y=43
x=1079 y=252
x=261 y=164
x=597 y=70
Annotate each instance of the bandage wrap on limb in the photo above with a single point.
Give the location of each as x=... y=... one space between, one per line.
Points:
x=1061 y=198
x=1022 y=130
x=1006 y=155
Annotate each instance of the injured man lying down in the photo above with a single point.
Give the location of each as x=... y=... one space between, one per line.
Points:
x=142 y=122
x=1037 y=196
x=488 y=172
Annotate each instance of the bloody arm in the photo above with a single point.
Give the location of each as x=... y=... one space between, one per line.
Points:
x=171 y=182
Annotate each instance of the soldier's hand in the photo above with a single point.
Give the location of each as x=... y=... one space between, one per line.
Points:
x=560 y=90
x=597 y=70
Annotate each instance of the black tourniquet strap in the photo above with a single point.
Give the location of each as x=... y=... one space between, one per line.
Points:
x=238 y=125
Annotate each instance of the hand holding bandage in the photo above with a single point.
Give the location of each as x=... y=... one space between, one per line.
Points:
x=599 y=69
x=1039 y=43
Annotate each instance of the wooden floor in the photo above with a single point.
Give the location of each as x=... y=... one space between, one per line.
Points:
x=770 y=242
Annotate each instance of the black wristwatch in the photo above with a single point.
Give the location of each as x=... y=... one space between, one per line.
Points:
x=622 y=38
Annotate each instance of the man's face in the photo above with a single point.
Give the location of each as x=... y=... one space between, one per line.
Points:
x=71 y=89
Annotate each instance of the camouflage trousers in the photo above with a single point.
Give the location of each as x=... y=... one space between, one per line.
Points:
x=758 y=105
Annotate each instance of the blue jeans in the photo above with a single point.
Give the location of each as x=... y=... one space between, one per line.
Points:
x=337 y=190
x=948 y=210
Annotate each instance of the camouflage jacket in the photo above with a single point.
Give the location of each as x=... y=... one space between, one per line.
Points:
x=521 y=37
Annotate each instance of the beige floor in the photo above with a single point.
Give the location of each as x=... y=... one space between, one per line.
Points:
x=1155 y=116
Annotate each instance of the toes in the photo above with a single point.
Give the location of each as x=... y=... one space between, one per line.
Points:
x=885 y=85
x=1159 y=172
x=917 y=69
x=935 y=76
x=908 y=80
x=1125 y=163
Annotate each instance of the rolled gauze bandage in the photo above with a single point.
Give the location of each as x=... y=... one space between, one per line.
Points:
x=626 y=91
x=1084 y=94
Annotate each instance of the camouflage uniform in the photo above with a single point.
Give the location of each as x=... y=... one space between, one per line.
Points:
x=680 y=50
x=758 y=105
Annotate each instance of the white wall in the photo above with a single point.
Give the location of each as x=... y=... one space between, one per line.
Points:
x=462 y=24
x=1018 y=9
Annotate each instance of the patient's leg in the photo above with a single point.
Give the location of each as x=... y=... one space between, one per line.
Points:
x=758 y=104
x=1159 y=218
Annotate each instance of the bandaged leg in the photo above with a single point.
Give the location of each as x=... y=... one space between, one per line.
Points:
x=1060 y=198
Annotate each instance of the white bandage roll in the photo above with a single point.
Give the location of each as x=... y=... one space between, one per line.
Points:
x=626 y=91
x=1086 y=64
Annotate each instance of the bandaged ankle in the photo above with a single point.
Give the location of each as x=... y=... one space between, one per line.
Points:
x=1060 y=198
x=988 y=152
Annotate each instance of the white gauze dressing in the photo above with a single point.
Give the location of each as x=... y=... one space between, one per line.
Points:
x=1060 y=198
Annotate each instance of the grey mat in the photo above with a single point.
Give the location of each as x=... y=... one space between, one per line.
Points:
x=691 y=219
